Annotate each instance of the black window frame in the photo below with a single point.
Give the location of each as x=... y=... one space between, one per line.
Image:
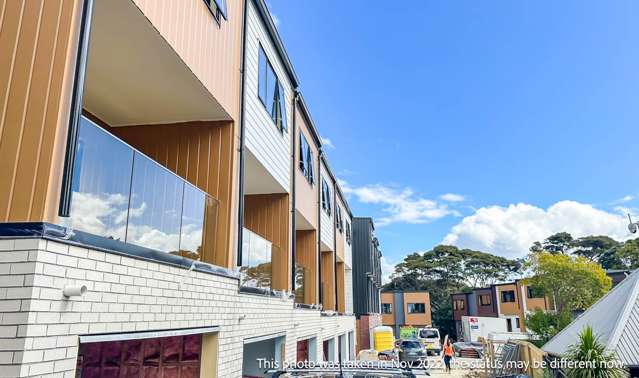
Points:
x=485 y=296
x=419 y=305
x=534 y=293
x=508 y=296
x=279 y=95
x=306 y=159
x=389 y=306
x=326 y=198
x=218 y=9
x=348 y=233
x=339 y=222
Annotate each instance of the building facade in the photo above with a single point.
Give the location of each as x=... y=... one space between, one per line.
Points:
x=405 y=309
x=512 y=301
x=367 y=280
x=166 y=203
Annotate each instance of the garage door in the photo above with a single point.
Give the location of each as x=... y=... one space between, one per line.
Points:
x=165 y=357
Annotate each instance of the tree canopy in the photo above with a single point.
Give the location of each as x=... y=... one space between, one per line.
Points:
x=574 y=282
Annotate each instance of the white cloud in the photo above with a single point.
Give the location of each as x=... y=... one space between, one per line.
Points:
x=276 y=20
x=327 y=143
x=625 y=199
x=452 y=197
x=399 y=205
x=510 y=231
x=388 y=268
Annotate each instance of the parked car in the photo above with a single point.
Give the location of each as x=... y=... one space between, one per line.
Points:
x=431 y=339
x=411 y=350
x=469 y=349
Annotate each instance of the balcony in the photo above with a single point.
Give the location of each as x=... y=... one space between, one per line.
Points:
x=256 y=272
x=121 y=194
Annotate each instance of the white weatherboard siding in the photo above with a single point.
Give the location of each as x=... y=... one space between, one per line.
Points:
x=348 y=287
x=348 y=248
x=326 y=220
x=40 y=328
x=270 y=146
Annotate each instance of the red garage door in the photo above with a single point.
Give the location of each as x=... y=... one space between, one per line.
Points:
x=166 y=357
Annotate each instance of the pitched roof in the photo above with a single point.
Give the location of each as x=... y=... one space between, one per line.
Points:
x=614 y=319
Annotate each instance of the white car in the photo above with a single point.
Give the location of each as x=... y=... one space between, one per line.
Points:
x=431 y=339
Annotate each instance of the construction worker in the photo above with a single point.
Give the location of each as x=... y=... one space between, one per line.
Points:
x=449 y=352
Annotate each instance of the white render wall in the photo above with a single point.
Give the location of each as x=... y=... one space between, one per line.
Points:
x=326 y=220
x=39 y=327
x=268 y=144
x=348 y=287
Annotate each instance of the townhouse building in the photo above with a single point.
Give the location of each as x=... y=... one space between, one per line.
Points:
x=165 y=203
x=409 y=309
x=512 y=301
x=367 y=280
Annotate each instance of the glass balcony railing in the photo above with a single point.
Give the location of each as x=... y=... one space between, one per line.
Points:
x=257 y=257
x=301 y=276
x=121 y=194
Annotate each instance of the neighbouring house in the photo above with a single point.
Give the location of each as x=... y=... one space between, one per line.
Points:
x=512 y=301
x=406 y=309
x=614 y=320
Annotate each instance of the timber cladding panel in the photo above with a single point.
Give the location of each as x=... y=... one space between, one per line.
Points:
x=306 y=256
x=339 y=281
x=202 y=153
x=38 y=45
x=327 y=262
x=268 y=216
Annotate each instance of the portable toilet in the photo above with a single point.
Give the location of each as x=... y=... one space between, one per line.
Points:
x=383 y=338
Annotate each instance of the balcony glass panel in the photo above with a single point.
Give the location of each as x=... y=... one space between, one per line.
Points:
x=122 y=194
x=256 y=270
x=301 y=274
x=156 y=205
x=101 y=183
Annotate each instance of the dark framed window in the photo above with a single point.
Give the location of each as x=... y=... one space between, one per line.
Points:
x=416 y=308
x=534 y=292
x=485 y=300
x=517 y=323
x=387 y=308
x=326 y=197
x=508 y=296
x=271 y=92
x=217 y=8
x=339 y=222
x=306 y=160
x=348 y=233
x=458 y=305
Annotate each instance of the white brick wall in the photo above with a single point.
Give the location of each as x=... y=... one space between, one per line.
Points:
x=39 y=328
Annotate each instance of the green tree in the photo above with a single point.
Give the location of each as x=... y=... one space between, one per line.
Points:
x=560 y=242
x=545 y=325
x=593 y=247
x=574 y=282
x=628 y=253
x=597 y=362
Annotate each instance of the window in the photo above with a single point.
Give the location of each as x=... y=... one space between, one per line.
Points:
x=509 y=325
x=517 y=323
x=485 y=300
x=534 y=292
x=339 y=222
x=348 y=233
x=326 y=197
x=387 y=308
x=508 y=296
x=217 y=8
x=458 y=304
x=271 y=92
x=306 y=160
x=416 y=308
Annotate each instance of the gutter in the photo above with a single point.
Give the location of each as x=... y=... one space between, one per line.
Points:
x=240 y=218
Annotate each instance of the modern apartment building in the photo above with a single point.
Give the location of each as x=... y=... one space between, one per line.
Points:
x=406 y=309
x=512 y=301
x=165 y=204
x=367 y=280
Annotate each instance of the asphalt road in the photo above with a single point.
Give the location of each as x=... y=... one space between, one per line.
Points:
x=461 y=367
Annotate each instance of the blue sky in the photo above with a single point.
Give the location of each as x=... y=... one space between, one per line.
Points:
x=529 y=110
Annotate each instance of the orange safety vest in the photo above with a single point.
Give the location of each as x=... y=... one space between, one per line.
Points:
x=448 y=350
